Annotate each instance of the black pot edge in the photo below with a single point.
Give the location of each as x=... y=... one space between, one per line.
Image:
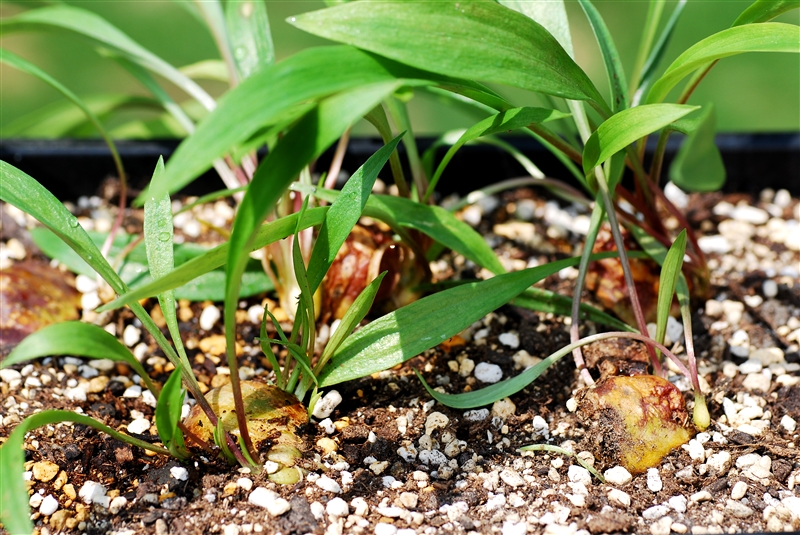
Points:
x=71 y=168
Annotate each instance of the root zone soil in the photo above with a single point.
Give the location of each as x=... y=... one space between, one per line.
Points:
x=391 y=461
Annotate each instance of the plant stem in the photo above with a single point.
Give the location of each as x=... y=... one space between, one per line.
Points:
x=336 y=162
x=557 y=142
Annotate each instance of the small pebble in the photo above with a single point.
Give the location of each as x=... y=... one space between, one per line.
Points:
x=138 y=426
x=579 y=474
x=655 y=512
x=738 y=509
x=488 y=373
x=504 y=409
x=209 y=317
x=327 y=404
x=661 y=527
x=788 y=423
x=617 y=476
x=619 y=498
x=434 y=421
x=678 y=503
x=739 y=490
x=49 y=505
x=702 y=496
x=654 y=480
x=179 y=472
x=509 y=339
x=328 y=484
x=337 y=507
x=131 y=335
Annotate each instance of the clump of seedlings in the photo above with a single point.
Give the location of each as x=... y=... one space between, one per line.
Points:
x=301 y=106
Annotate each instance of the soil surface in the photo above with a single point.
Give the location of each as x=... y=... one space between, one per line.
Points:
x=389 y=460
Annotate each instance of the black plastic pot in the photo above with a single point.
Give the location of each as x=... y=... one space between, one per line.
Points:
x=71 y=168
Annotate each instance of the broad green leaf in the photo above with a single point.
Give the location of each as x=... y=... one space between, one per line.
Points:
x=61 y=119
x=504 y=121
x=344 y=213
x=216 y=257
x=134 y=272
x=405 y=333
x=471 y=40
x=168 y=414
x=762 y=37
x=698 y=165
x=433 y=221
x=77 y=339
x=18 y=63
x=625 y=127
x=764 y=10
x=14 y=511
x=614 y=71
x=251 y=40
x=670 y=273
x=263 y=98
x=315 y=132
x=101 y=32
x=552 y=15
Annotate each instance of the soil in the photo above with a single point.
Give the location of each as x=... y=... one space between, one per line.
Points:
x=468 y=474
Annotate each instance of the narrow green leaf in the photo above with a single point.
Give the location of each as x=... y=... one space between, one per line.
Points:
x=18 y=63
x=670 y=273
x=25 y=193
x=357 y=312
x=61 y=119
x=463 y=39
x=158 y=239
x=134 y=272
x=78 y=339
x=251 y=40
x=654 y=10
x=263 y=98
x=207 y=69
x=504 y=121
x=216 y=257
x=625 y=127
x=412 y=329
x=168 y=414
x=13 y=492
x=433 y=221
x=614 y=71
x=101 y=32
x=762 y=37
x=698 y=166
x=764 y=10
x=345 y=212
x=656 y=55
x=547 y=301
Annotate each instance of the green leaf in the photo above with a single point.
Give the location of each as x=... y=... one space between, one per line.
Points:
x=698 y=165
x=101 y=32
x=654 y=59
x=504 y=121
x=344 y=213
x=654 y=10
x=547 y=301
x=168 y=414
x=207 y=69
x=14 y=511
x=412 y=329
x=625 y=127
x=25 y=193
x=78 y=339
x=251 y=41
x=614 y=71
x=315 y=132
x=263 y=98
x=133 y=271
x=18 y=63
x=764 y=10
x=357 y=312
x=433 y=221
x=762 y=37
x=670 y=273
x=473 y=40
x=552 y=15
x=216 y=257
x=158 y=239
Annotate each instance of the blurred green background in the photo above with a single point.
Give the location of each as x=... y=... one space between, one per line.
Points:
x=752 y=92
